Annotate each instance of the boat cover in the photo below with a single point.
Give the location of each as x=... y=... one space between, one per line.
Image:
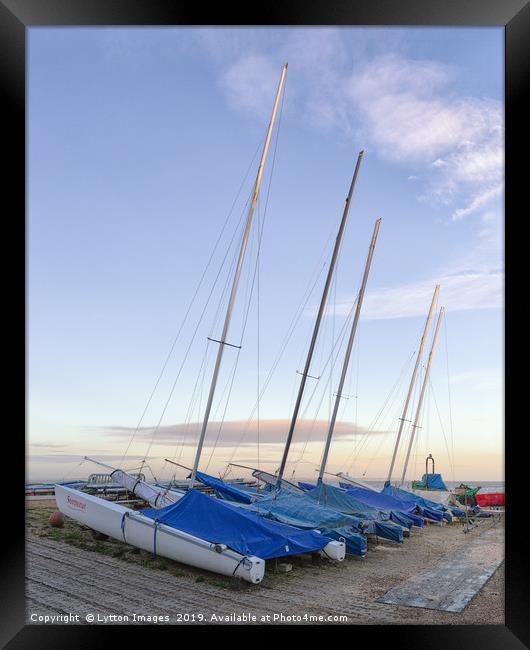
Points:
x=225 y=490
x=302 y=512
x=431 y=482
x=400 y=511
x=356 y=544
x=429 y=508
x=297 y=510
x=338 y=499
x=243 y=531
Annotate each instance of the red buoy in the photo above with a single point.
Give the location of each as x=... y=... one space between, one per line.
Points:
x=56 y=519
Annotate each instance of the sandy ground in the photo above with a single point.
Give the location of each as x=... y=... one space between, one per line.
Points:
x=68 y=574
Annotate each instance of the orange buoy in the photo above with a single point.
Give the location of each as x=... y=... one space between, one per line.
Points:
x=56 y=519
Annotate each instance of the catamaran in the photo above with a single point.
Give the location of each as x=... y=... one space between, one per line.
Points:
x=290 y=504
x=192 y=527
x=326 y=506
x=409 y=509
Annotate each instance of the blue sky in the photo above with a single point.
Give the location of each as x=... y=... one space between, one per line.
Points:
x=139 y=140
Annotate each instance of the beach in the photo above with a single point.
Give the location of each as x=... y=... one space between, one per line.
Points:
x=69 y=574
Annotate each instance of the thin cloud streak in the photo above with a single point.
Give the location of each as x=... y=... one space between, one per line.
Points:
x=240 y=432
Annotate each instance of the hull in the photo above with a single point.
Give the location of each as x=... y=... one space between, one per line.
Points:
x=134 y=528
x=160 y=497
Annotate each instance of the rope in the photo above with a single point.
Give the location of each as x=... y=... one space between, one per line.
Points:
x=154 y=537
x=124 y=517
x=239 y=564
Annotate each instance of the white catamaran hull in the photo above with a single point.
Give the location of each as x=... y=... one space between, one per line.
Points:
x=160 y=497
x=138 y=530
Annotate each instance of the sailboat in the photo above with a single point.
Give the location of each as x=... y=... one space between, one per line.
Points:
x=437 y=508
x=291 y=504
x=193 y=527
x=336 y=497
x=400 y=504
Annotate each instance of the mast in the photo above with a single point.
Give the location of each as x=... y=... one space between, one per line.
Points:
x=323 y=300
x=412 y=380
x=422 y=393
x=237 y=275
x=348 y=351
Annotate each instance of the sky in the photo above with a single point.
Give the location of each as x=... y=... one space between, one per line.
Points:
x=143 y=146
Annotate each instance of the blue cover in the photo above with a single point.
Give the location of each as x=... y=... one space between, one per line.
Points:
x=302 y=512
x=225 y=489
x=295 y=510
x=402 y=512
x=356 y=544
x=307 y=486
x=338 y=499
x=429 y=508
x=456 y=511
x=243 y=531
x=433 y=482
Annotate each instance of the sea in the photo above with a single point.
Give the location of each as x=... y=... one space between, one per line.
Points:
x=378 y=484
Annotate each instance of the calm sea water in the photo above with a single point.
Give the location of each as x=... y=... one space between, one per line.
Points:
x=486 y=486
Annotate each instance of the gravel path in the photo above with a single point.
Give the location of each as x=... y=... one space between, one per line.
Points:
x=64 y=580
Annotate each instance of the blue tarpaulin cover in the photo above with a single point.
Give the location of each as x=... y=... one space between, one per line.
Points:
x=241 y=530
x=297 y=510
x=356 y=544
x=433 y=482
x=386 y=503
x=338 y=499
x=430 y=509
x=225 y=489
x=303 y=512
x=380 y=500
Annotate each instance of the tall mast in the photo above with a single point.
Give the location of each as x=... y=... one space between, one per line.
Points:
x=348 y=350
x=412 y=380
x=237 y=275
x=422 y=393
x=318 y=320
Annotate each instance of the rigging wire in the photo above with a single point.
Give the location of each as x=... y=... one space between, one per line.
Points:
x=190 y=305
x=449 y=395
x=298 y=313
x=431 y=388
x=251 y=277
x=379 y=416
x=335 y=351
x=155 y=431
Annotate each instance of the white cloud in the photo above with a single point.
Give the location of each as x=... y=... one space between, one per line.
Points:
x=478 y=201
x=410 y=113
x=248 y=83
x=461 y=291
x=407 y=109
x=474 y=281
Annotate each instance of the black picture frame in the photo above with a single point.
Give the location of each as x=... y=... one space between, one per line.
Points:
x=16 y=16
